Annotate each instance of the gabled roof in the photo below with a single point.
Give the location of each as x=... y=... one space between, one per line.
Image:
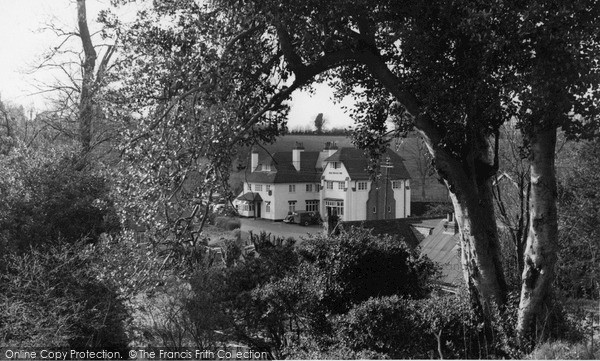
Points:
x=443 y=248
x=283 y=170
x=356 y=161
x=251 y=197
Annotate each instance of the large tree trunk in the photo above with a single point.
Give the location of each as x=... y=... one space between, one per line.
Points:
x=470 y=187
x=542 y=240
x=468 y=179
x=86 y=104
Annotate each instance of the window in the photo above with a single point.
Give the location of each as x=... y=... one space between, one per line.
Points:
x=329 y=185
x=336 y=207
x=336 y=165
x=341 y=185
x=309 y=187
x=312 y=206
x=268 y=207
x=266 y=167
x=292 y=188
x=268 y=187
x=249 y=187
x=258 y=187
x=397 y=184
x=248 y=207
x=292 y=206
x=362 y=186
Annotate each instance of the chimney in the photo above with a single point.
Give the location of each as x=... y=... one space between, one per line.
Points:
x=450 y=226
x=332 y=149
x=328 y=150
x=299 y=148
x=253 y=160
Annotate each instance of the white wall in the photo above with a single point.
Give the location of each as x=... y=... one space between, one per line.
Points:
x=336 y=175
x=357 y=201
x=402 y=196
x=282 y=195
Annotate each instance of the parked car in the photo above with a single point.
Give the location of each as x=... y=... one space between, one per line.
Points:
x=304 y=218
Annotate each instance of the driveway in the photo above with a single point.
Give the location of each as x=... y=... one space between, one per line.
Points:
x=280 y=229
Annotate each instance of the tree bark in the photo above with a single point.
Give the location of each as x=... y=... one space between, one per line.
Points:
x=472 y=198
x=542 y=240
x=469 y=181
x=86 y=103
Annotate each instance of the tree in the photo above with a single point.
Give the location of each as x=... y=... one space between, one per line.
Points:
x=557 y=87
x=358 y=43
x=512 y=187
x=578 y=269
x=446 y=69
x=53 y=298
x=319 y=123
x=45 y=200
x=77 y=107
x=421 y=163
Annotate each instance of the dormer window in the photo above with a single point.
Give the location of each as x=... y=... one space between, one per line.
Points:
x=266 y=167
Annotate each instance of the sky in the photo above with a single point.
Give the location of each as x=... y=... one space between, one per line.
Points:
x=23 y=42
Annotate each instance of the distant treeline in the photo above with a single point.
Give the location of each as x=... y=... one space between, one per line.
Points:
x=308 y=130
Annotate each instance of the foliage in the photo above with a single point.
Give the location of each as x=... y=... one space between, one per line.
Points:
x=282 y=300
x=438 y=326
x=46 y=200
x=307 y=130
x=208 y=78
x=359 y=265
x=438 y=209
x=579 y=210
x=319 y=123
x=228 y=223
x=561 y=350
x=52 y=298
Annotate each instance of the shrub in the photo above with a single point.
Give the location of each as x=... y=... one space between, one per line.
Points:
x=228 y=224
x=441 y=326
x=237 y=236
x=360 y=265
x=384 y=325
x=561 y=350
x=52 y=298
x=233 y=224
x=46 y=200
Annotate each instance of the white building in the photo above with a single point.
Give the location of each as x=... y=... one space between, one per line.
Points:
x=279 y=183
x=349 y=192
x=333 y=182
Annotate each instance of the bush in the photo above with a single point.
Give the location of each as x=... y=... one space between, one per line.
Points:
x=384 y=325
x=288 y=297
x=52 y=298
x=441 y=326
x=360 y=265
x=228 y=224
x=46 y=200
x=561 y=350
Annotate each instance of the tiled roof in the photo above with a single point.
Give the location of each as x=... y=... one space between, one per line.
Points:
x=356 y=162
x=443 y=248
x=283 y=170
x=250 y=196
